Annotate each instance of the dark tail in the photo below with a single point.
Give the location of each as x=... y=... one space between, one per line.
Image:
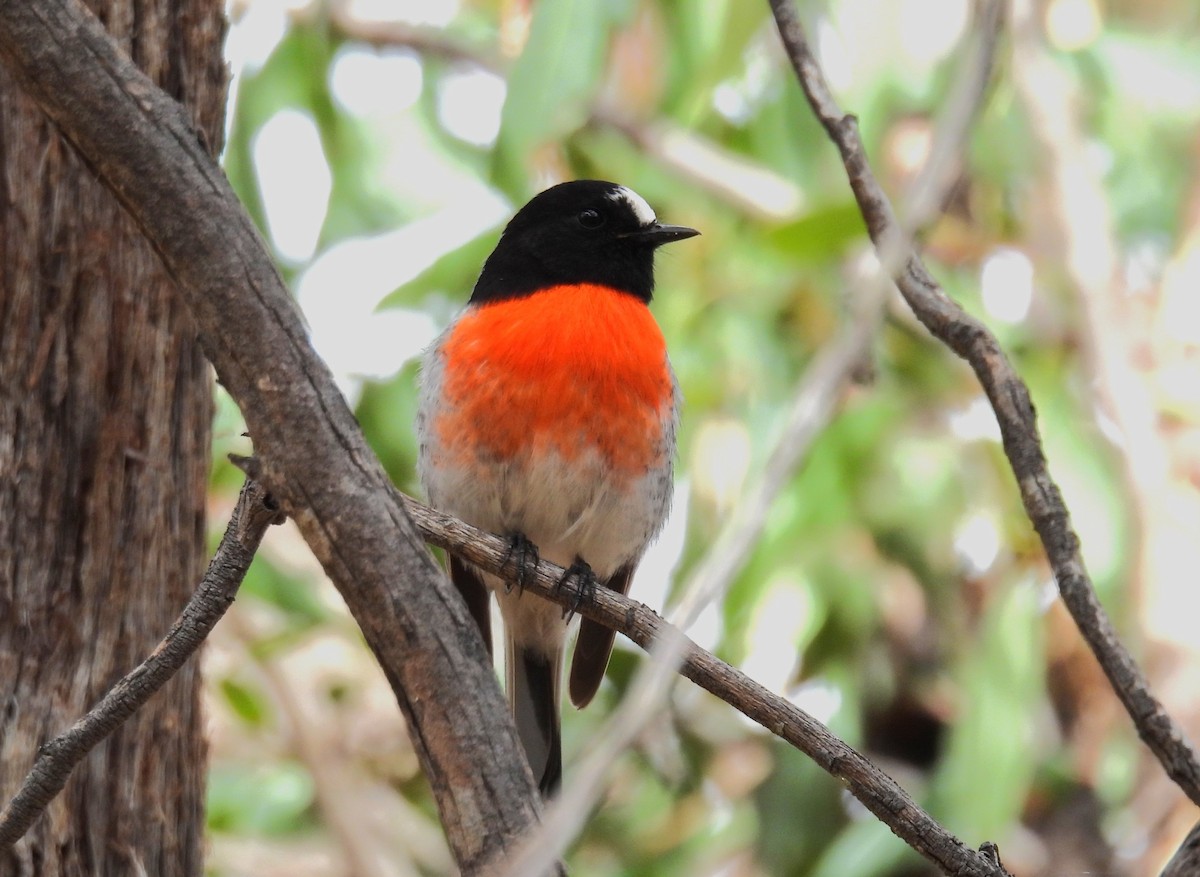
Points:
x=533 y=684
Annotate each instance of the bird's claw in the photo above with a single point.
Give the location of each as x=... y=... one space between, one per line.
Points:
x=585 y=580
x=525 y=555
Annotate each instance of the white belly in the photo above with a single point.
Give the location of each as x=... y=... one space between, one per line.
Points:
x=568 y=509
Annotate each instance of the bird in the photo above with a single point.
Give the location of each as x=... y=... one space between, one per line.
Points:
x=547 y=414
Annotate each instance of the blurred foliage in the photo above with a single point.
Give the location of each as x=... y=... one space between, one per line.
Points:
x=897 y=591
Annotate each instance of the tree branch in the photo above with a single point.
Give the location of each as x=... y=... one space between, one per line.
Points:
x=1186 y=861
x=254 y=512
x=1009 y=397
x=143 y=147
x=878 y=792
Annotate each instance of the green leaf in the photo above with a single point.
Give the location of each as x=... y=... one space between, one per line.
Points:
x=263 y=799
x=822 y=234
x=248 y=704
x=982 y=783
x=291 y=594
x=713 y=36
x=865 y=849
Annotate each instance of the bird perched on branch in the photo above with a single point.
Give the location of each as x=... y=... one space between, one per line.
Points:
x=547 y=415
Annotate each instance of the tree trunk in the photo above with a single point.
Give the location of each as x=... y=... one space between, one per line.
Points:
x=105 y=408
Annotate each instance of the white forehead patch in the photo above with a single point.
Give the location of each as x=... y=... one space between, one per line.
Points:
x=636 y=203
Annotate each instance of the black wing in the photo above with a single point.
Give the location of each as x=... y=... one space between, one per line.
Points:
x=594 y=645
x=475 y=593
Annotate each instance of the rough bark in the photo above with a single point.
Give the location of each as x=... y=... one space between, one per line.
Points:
x=314 y=458
x=105 y=406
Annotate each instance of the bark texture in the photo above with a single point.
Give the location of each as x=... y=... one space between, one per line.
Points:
x=105 y=409
x=313 y=456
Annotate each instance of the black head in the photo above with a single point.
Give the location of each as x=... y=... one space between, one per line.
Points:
x=587 y=231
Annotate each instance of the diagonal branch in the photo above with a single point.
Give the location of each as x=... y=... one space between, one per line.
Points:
x=878 y=792
x=1009 y=397
x=254 y=512
x=142 y=146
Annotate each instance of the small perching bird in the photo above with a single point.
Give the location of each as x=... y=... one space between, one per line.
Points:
x=547 y=414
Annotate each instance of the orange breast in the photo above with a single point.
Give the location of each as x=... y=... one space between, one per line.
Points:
x=573 y=369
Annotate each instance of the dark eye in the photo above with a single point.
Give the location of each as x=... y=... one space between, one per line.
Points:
x=591 y=219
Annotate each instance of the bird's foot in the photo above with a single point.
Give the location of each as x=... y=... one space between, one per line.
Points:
x=524 y=554
x=585 y=582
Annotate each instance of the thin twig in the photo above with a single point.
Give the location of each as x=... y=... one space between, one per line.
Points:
x=255 y=511
x=1009 y=397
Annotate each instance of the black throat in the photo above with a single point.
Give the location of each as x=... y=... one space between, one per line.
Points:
x=523 y=266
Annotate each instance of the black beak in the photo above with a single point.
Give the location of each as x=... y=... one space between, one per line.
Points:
x=656 y=234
